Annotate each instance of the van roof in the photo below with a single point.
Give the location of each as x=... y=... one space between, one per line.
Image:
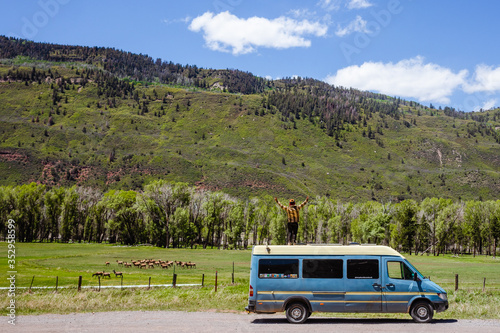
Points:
x=378 y=250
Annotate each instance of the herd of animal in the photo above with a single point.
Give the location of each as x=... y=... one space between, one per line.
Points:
x=144 y=264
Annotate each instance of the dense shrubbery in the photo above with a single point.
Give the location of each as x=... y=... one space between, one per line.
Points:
x=176 y=215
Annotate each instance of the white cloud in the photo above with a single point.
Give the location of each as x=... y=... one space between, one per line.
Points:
x=357 y=25
x=358 y=4
x=180 y=20
x=489 y=104
x=301 y=13
x=228 y=33
x=407 y=78
x=329 y=5
x=486 y=79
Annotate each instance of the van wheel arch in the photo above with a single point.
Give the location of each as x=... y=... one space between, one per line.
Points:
x=293 y=300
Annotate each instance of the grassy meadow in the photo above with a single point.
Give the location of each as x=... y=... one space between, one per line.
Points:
x=47 y=261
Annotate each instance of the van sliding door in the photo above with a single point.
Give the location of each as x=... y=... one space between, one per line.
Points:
x=324 y=277
x=363 y=287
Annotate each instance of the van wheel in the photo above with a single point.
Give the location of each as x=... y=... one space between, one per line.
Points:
x=296 y=313
x=422 y=312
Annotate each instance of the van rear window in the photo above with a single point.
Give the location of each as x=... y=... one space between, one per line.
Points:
x=322 y=269
x=362 y=269
x=279 y=268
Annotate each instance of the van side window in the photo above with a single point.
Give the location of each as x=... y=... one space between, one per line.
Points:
x=279 y=268
x=322 y=269
x=398 y=270
x=362 y=269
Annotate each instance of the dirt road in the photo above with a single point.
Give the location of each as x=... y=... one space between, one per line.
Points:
x=193 y=322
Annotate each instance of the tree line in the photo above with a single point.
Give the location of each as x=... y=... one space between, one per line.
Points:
x=136 y=67
x=169 y=214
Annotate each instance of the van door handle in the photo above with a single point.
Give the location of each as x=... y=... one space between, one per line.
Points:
x=390 y=285
x=376 y=285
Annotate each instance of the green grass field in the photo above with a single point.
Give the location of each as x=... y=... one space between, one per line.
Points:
x=68 y=261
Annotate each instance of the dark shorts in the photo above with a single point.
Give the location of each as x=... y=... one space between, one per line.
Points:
x=292 y=231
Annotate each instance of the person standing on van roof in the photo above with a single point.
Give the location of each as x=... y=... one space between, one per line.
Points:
x=292 y=212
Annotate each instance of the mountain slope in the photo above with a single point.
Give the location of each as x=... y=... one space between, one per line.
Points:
x=82 y=122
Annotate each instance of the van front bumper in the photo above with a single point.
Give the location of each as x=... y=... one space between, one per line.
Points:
x=441 y=306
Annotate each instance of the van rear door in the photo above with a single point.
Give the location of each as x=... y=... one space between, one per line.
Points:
x=363 y=285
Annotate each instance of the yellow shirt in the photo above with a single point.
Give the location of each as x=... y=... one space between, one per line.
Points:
x=292 y=211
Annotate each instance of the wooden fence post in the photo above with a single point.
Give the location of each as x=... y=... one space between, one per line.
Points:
x=484 y=284
x=99 y=278
x=232 y=275
x=80 y=283
x=57 y=282
x=174 y=280
x=31 y=283
x=149 y=285
x=202 y=280
x=121 y=282
x=456 y=282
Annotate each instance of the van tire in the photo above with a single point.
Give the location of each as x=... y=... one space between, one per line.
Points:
x=422 y=312
x=296 y=313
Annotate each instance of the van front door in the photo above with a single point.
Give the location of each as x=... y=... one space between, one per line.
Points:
x=363 y=285
x=399 y=287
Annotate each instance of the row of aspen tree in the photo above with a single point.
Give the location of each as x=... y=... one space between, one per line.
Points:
x=167 y=214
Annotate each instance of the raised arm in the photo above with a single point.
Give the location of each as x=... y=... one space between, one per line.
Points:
x=279 y=203
x=303 y=204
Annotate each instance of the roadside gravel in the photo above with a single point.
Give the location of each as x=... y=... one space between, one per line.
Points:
x=207 y=322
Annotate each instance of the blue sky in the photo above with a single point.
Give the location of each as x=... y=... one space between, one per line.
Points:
x=442 y=52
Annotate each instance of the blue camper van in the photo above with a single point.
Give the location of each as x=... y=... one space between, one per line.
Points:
x=335 y=278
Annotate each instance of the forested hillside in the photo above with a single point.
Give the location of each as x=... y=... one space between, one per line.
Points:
x=108 y=119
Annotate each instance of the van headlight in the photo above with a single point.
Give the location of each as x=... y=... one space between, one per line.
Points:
x=443 y=296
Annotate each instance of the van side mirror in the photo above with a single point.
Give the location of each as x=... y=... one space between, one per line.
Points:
x=415 y=277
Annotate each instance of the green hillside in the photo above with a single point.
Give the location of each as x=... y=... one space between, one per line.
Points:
x=73 y=119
